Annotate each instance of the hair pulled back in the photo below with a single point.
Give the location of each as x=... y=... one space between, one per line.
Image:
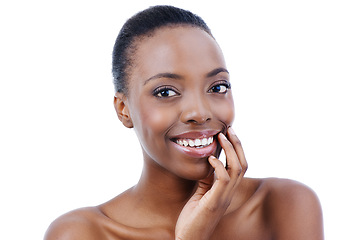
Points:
x=143 y=24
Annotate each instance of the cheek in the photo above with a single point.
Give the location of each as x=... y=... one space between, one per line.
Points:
x=152 y=121
x=151 y=126
x=224 y=111
x=156 y=119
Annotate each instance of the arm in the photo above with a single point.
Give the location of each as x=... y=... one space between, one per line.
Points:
x=293 y=211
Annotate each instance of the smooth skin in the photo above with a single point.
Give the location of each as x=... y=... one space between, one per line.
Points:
x=179 y=88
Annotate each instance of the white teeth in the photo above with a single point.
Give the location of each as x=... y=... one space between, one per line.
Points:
x=199 y=142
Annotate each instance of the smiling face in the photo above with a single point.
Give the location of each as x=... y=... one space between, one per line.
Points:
x=179 y=99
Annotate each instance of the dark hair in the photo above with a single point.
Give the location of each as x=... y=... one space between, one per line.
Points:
x=144 y=24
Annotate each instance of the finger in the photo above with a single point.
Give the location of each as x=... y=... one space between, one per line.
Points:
x=238 y=148
x=232 y=162
x=220 y=184
x=237 y=166
x=220 y=172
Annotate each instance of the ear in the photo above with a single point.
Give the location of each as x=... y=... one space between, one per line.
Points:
x=122 y=110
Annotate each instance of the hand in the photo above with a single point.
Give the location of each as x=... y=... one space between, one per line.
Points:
x=206 y=207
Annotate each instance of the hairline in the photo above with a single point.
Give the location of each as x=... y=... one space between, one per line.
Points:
x=136 y=41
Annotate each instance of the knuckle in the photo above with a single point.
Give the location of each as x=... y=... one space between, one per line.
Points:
x=245 y=167
x=227 y=203
x=225 y=179
x=237 y=141
x=212 y=208
x=238 y=171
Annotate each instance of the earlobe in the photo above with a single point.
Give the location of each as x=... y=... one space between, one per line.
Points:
x=122 y=109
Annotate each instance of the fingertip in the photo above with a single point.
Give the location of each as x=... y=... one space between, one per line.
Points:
x=233 y=137
x=213 y=161
x=212 y=158
x=219 y=168
x=231 y=131
x=221 y=135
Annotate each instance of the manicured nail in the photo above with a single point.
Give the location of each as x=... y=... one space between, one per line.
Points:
x=212 y=157
x=222 y=135
x=231 y=131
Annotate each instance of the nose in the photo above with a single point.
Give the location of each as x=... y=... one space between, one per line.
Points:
x=195 y=110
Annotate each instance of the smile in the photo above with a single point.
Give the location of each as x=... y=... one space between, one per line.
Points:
x=195 y=143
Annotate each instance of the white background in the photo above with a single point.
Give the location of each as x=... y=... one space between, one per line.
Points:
x=295 y=73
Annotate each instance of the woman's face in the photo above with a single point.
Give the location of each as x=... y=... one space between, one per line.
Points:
x=179 y=100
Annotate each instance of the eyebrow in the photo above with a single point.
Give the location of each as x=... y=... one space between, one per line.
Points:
x=176 y=76
x=216 y=72
x=164 y=75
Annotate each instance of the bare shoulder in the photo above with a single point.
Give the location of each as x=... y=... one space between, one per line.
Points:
x=293 y=210
x=78 y=224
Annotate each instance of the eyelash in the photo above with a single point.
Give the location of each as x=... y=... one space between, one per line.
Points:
x=224 y=83
x=162 y=89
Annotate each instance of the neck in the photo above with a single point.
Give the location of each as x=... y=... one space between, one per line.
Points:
x=158 y=186
x=161 y=193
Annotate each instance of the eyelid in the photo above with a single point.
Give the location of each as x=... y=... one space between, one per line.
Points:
x=162 y=88
x=226 y=83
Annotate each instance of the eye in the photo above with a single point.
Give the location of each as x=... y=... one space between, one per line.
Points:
x=164 y=92
x=220 y=88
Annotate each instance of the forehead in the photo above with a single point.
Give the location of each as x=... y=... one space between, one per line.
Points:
x=183 y=50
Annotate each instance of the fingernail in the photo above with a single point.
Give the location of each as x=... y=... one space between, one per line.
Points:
x=222 y=135
x=231 y=131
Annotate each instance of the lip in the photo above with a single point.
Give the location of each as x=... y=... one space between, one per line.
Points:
x=197 y=152
x=196 y=134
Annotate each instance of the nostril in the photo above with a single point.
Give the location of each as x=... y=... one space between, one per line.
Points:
x=198 y=120
x=196 y=112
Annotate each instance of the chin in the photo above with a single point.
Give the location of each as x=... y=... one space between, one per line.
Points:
x=198 y=169
x=196 y=173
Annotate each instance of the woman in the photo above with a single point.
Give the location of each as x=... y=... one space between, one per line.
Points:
x=173 y=88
